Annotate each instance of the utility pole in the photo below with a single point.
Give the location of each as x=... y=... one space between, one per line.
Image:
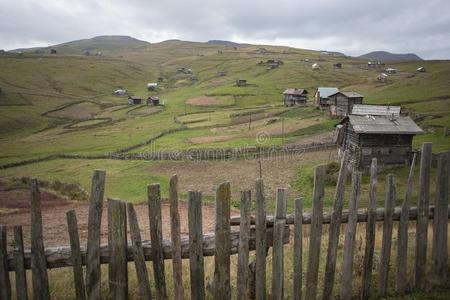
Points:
x=282 y=131
x=250 y=121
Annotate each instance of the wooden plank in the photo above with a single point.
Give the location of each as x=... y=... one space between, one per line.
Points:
x=334 y=229
x=277 y=250
x=19 y=261
x=402 y=245
x=117 y=244
x=298 y=250
x=5 y=283
x=138 y=254
x=243 y=256
x=196 y=263
x=77 y=262
x=177 y=265
x=387 y=236
x=370 y=232
x=260 y=226
x=38 y=261
x=316 y=234
x=422 y=220
x=154 y=208
x=349 y=243
x=222 y=289
x=440 y=224
x=93 y=272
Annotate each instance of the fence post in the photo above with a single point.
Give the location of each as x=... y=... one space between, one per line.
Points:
x=422 y=215
x=5 y=283
x=260 y=224
x=440 y=224
x=222 y=289
x=196 y=263
x=38 y=260
x=334 y=229
x=316 y=234
x=387 y=235
x=177 y=265
x=370 y=232
x=349 y=243
x=75 y=256
x=277 y=248
x=298 y=249
x=244 y=232
x=93 y=272
x=19 y=262
x=402 y=245
x=154 y=208
x=138 y=254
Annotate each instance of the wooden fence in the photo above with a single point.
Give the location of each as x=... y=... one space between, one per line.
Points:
x=258 y=232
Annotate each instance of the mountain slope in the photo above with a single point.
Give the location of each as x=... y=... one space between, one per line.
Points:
x=387 y=56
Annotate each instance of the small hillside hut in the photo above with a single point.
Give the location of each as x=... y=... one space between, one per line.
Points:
x=133 y=100
x=421 y=69
x=120 y=92
x=153 y=101
x=375 y=64
x=53 y=51
x=382 y=77
x=152 y=86
x=261 y=51
x=295 y=96
x=341 y=103
x=337 y=65
x=241 y=82
x=221 y=73
x=391 y=70
x=322 y=94
x=315 y=67
x=388 y=138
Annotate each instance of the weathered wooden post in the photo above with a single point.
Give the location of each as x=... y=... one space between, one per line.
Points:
x=243 y=256
x=5 y=283
x=260 y=226
x=222 y=289
x=370 y=232
x=422 y=216
x=38 y=260
x=196 y=263
x=156 y=238
x=298 y=249
x=387 y=235
x=316 y=234
x=93 y=271
x=334 y=229
x=19 y=262
x=349 y=243
x=75 y=256
x=277 y=249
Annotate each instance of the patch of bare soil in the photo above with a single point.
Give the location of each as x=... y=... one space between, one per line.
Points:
x=204 y=101
x=15 y=210
x=210 y=139
x=79 y=111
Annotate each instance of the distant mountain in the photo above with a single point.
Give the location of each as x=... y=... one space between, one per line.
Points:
x=106 y=44
x=387 y=56
x=225 y=43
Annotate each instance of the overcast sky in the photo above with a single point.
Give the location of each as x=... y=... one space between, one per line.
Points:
x=350 y=26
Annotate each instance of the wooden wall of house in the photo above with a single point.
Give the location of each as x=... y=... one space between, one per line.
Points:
x=294 y=99
x=340 y=105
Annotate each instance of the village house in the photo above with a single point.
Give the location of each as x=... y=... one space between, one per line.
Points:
x=295 y=96
x=391 y=70
x=53 y=51
x=241 y=82
x=374 y=131
x=382 y=77
x=221 y=73
x=375 y=64
x=133 y=100
x=322 y=94
x=152 y=86
x=341 y=103
x=421 y=69
x=153 y=101
x=120 y=92
x=315 y=67
x=337 y=65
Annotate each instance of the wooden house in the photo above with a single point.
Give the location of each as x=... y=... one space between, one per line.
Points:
x=133 y=100
x=421 y=69
x=241 y=82
x=53 y=51
x=337 y=65
x=152 y=86
x=153 y=101
x=375 y=64
x=120 y=92
x=295 y=96
x=322 y=94
x=382 y=77
x=341 y=103
x=376 y=132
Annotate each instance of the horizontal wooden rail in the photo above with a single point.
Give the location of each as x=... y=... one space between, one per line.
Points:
x=362 y=216
x=60 y=257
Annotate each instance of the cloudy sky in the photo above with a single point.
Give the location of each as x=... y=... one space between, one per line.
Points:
x=351 y=26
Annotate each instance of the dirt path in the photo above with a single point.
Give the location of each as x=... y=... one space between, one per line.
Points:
x=15 y=210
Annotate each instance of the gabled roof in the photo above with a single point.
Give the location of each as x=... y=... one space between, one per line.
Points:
x=382 y=125
x=349 y=94
x=295 y=91
x=325 y=92
x=375 y=110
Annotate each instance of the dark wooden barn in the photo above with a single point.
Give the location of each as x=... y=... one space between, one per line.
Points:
x=341 y=103
x=153 y=101
x=322 y=94
x=295 y=96
x=134 y=100
x=241 y=82
x=387 y=137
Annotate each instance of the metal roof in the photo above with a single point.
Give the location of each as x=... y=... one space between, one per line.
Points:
x=375 y=110
x=383 y=125
x=295 y=91
x=325 y=92
x=349 y=94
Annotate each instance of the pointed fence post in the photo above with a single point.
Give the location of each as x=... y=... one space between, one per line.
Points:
x=19 y=262
x=277 y=249
x=243 y=256
x=260 y=227
x=196 y=263
x=72 y=228
x=298 y=249
x=5 y=283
